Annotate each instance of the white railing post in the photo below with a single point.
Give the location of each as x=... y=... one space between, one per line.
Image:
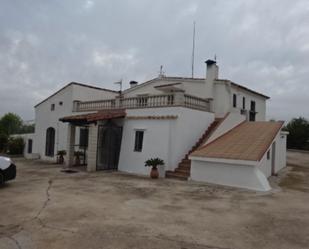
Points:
x=76 y=105
x=179 y=98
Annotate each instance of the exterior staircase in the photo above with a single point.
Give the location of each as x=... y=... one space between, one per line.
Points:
x=182 y=172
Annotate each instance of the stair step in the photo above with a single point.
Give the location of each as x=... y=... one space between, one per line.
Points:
x=184 y=165
x=185 y=160
x=182 y=171
x=177 y=176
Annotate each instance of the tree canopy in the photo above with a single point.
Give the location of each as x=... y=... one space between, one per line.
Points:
x=298 y=137
x=10 y=123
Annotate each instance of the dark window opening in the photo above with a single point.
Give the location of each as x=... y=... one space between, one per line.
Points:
x=252 y=106
x=234 y=100
x=252 y=114
x=139 y=136
x=50 y=142
x=83 y=137
x=52 y=107
x=268 y=155
x=29 y=146
x=60 y=103
x=243 y=103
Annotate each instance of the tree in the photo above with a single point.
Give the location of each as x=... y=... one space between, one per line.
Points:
x=26 y=129
x=298 y=137
x=3 y=142
x=16 y=145
x=10 y=123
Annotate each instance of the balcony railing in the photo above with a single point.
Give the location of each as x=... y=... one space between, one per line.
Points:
x=164 y=100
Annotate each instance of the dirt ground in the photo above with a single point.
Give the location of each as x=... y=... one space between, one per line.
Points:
x=45 y=208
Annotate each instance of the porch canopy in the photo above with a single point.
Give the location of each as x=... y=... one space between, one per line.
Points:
x=94 y=117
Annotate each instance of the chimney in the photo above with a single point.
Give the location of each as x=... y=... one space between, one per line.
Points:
x=212 y=72
x=133 y=83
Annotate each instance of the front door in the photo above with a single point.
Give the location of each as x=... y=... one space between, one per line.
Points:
x=109 y=141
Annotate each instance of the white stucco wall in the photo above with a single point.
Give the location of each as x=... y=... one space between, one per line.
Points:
x=280 y=156
x=234 y=175
x=82 y=93
x=223 y=91
x=229 y=122
x=250 y=175
x=221 y=102
x=260 y=102
x=168 y=139
x=45 y=118
x=26 y=138
x=192 y=87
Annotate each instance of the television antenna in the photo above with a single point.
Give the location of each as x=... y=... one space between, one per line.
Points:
x=120 y=85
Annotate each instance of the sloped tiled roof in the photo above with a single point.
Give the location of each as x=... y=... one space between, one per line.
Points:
x=247 y=141
x=93 y=117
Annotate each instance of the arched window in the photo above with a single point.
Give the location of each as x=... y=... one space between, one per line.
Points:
x=50 y=142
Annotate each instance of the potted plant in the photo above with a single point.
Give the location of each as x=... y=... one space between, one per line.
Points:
x=154 y=163
x=60 y=155
x=77 y=155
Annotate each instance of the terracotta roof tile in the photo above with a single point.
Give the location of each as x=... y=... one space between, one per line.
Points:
x=93 y=117
x=247 y=141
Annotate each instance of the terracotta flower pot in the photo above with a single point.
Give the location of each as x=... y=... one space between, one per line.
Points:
x=154 y=173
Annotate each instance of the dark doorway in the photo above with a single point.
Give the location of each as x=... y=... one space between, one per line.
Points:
x=29 y=146
x=252 y=113
x=109 y=142
x=50 y=142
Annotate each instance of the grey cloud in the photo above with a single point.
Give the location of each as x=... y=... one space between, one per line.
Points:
x=46 y=44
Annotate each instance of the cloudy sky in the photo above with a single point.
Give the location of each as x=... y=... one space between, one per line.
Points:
x=45 y=44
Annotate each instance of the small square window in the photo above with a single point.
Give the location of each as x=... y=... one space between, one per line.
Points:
x=268 y=155
x=139 y=137
x=60 y=103
x=52 y=107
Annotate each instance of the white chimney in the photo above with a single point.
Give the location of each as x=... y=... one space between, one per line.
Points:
x=133 y=83
x=212 y=73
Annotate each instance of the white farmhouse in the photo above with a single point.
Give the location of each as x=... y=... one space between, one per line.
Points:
x=205 y=129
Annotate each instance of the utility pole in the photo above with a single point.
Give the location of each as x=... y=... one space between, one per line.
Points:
x=193 y=51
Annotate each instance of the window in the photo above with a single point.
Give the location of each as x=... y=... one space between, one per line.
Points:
x=268 y=155
x=29 y=146
x=138 y=145
x=234 y=100
x=243 y=103
x=83 y=138
x=60 y=103
x=52 y=107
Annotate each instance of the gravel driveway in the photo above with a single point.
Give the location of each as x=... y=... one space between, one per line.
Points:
x=46 y=208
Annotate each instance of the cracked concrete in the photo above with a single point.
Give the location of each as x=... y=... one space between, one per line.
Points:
x=45 y=208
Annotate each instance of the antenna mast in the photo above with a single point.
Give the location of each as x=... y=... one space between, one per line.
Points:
x=193 y=51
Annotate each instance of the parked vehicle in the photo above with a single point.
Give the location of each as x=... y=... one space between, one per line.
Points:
x=7 y=169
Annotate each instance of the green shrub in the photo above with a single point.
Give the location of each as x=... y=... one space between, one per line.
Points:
x=154 y=162
x=16 y=146
x=3 y=142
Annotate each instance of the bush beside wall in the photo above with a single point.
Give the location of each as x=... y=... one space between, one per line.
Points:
x=16 y=146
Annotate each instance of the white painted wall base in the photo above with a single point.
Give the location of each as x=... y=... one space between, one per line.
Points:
x=242 y=176
x=168 y=139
